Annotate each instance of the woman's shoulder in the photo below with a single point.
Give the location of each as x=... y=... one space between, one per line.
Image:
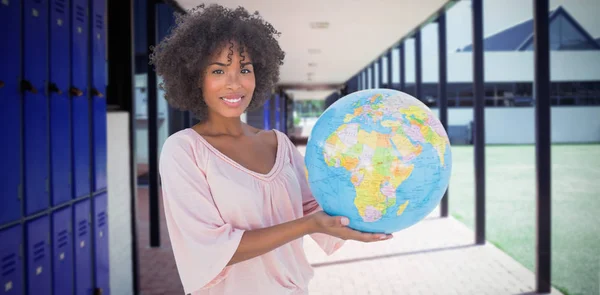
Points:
x=183 y=145
x=182 y=139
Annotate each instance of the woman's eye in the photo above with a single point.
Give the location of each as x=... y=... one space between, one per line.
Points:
x=217 y=72
x=245 y=71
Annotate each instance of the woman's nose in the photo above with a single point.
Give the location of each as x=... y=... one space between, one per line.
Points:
x=233 y=79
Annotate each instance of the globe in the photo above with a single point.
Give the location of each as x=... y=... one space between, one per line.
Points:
x=379 y=157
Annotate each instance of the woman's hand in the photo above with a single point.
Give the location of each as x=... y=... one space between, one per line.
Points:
x=336 y=226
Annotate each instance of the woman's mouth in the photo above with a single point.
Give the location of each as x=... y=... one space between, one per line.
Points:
x=232 y=101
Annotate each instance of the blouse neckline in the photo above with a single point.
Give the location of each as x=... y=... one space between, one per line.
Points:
x=268 y=176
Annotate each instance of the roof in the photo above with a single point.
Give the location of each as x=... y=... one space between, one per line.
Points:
x=520 y=36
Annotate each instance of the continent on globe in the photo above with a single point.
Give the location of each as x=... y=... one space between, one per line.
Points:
x=376 y=171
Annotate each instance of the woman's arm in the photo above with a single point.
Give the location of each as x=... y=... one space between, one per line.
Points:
x=257 y=242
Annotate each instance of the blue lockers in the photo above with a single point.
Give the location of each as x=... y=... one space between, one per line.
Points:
x=98 y=92
x=45 y=111
x=62 y=251
x=101 y=242
x=79 y=103
x=35 y=103
x=11 y=270
x=60 y=127
x=83 y=255
x=10 y=112
x=39 y=274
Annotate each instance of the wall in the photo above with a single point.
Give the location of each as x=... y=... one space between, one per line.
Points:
x=511 y=66
x=119 y=203
x=517 y=125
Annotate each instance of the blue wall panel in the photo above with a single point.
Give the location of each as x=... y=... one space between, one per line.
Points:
x=62 y=251
x=80 y=104
x=83 y=254
x=38 y=256
x=278 y=112
x=267 y=115
x=10 y=112
x=98 y=92
x=36 y=143
x=101 y=240
x=11 y=269
x=60 y=122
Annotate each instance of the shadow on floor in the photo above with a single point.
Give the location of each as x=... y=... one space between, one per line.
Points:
x=377 y=257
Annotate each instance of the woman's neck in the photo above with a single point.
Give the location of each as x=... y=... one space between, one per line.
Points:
x=217 y=125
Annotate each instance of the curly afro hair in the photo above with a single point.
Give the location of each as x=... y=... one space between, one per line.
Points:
x=182 y=57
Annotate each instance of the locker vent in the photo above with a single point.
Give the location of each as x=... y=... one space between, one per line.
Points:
x=80 y=13
x=59 y=6
x=101 y=219
x=9 y=264
x=99 y=21
x=83 y=228
x=39 y=250
x=63 y=239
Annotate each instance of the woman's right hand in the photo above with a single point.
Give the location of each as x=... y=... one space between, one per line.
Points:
x=337 y=226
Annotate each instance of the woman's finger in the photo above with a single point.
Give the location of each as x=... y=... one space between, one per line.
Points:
x=369 y=237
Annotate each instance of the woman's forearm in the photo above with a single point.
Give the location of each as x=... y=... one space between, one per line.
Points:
x=260 y=241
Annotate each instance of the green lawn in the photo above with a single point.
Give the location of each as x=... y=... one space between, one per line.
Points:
x=511 y=208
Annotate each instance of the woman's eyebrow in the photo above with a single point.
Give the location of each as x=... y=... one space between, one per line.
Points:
x=224 y=65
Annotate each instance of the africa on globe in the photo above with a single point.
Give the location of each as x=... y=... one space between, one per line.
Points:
x=379 y=157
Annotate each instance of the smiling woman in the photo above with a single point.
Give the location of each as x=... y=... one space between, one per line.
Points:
x=236 y=199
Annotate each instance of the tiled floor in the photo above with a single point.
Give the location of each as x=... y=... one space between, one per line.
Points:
x=157 y=269
x=436 y=256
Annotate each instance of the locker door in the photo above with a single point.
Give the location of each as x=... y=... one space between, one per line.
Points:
x=98 y=92
x=10 y=112
x=62 y=251
x=38 y=256
x=35 y=62
x=11 y=270
x=79 y=103
x=101 y=242
x=60 y=127
x=83 y=254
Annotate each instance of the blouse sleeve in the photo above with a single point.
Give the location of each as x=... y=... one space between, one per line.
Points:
x=329 y=244
x=202 y=242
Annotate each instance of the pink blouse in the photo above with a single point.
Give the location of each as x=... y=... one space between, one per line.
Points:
x=210 y=200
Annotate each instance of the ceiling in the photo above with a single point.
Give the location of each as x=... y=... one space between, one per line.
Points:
x=358 y=32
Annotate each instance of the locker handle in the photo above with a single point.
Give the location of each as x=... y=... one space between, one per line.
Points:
x=96 y=92
x=27 y=86
x=54 y=88
x=76 y=91
x=1 y=83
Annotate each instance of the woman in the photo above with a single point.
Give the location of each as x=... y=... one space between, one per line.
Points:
x=236 y=199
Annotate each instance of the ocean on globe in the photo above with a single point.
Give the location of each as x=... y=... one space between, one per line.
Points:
x=379 y=157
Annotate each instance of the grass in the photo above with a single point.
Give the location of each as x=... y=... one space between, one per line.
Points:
x=511 y=208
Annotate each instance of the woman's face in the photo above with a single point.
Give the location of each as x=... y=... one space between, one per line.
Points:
x=227 y=86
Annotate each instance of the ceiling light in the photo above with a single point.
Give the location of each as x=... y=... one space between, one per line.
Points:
x=319 y=25
x=312 y=64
